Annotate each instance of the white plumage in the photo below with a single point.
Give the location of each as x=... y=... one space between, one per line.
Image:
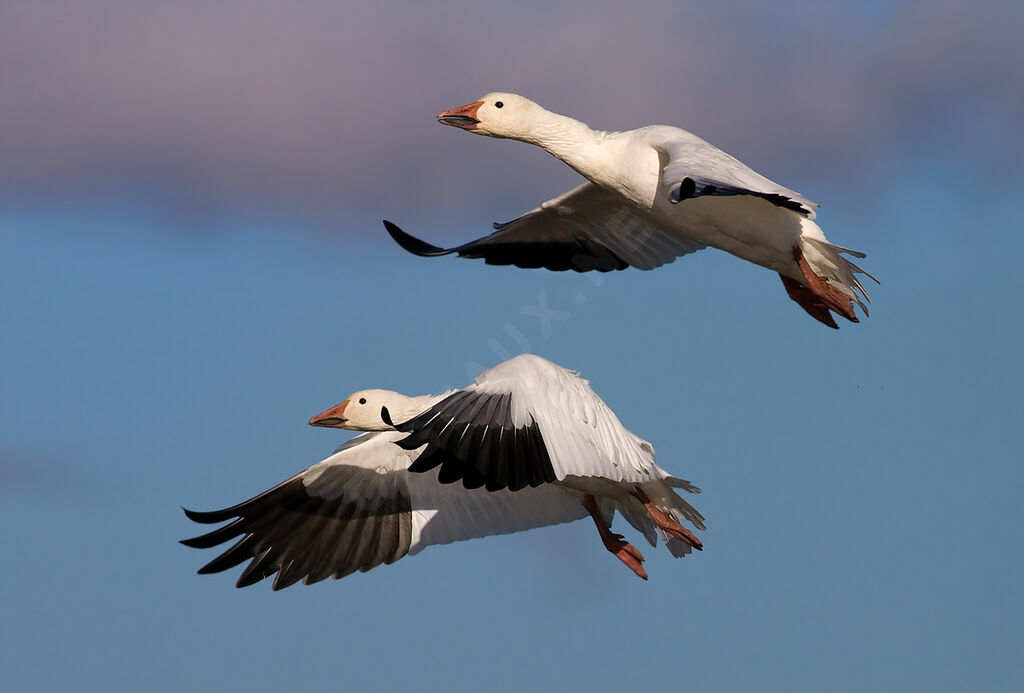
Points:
x=529 y=444
x=654 y=194
x=441 y=513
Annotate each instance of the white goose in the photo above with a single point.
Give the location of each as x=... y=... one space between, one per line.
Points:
x=530 y=442
x=654 y=194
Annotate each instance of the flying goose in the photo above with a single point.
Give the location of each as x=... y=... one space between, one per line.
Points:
x=653 y=194
x=528 y=444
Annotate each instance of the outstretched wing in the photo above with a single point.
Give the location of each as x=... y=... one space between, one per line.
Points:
x=587 y=228
x=352 y=511
x=695 y=167
x=361 y=508
x=525 y=423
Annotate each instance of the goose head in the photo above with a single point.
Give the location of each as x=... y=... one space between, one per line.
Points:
x=366 y=410
x=498 y=114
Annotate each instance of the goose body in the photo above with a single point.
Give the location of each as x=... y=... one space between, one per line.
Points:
x=528 y=444
x=653 y=194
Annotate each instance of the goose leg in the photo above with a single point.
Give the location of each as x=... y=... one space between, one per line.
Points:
x=808 y=301
x=623 y=550
x=816 y=295
x=666 y=522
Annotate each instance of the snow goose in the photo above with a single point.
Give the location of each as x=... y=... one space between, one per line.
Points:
x=527 y=445
x=653 y=194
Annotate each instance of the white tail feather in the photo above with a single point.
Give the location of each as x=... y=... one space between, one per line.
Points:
x=665 y=499
x=826 y=260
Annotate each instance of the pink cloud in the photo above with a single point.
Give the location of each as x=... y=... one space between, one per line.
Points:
x=329 y=106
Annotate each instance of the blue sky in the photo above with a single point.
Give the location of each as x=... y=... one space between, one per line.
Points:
x=171 y=321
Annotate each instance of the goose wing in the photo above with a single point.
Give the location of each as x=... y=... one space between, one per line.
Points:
x=587 y=228
x=695 y=167
x=360 y=508
x=525 y=423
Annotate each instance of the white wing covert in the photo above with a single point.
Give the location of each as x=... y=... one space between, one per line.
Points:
x=525 y=423
x=695 y=167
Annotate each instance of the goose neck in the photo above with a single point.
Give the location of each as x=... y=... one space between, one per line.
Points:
x=579 y=146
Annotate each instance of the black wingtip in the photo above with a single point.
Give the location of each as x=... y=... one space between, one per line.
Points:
x=684 y=191
x=413 y=244
x=209 y=518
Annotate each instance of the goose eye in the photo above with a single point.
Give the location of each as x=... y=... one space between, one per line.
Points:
x=498 y=104
x=362 y=400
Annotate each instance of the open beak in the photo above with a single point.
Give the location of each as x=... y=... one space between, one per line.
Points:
x=462 y=117
x=332 y=418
